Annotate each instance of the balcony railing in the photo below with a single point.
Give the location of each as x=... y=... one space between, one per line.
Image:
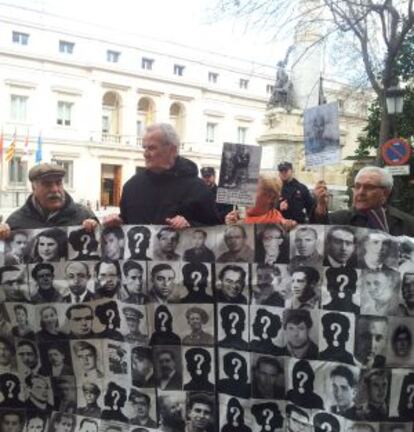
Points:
x=111 y=138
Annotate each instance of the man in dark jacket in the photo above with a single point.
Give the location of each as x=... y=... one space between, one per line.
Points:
x=168 y=191
x=296 y=201
x=372 y=188
x=49 y=204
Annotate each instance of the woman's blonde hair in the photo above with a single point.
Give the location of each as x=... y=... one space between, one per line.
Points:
x=271 y=185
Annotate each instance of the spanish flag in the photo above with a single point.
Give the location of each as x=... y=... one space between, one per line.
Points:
x=11 y=149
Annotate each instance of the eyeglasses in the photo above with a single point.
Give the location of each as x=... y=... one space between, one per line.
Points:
x=367 y=187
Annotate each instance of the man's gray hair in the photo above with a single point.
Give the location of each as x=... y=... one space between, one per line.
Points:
x=386 y=181
x=170 y=134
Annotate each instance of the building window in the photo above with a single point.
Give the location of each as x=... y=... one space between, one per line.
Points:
x=211 y=132
x=146 y=63
x=17 y=172
x=67 y=165
x=64 y=115
x=66 y=47
x=243 y=83
x=269 y=88
x=112 y=56
x=18 y=108
x=20 y=38
x=105 y=124
x=178 y=70
x=212 y=77
x=241 y=135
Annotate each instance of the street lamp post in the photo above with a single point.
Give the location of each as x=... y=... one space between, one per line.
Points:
x=395 y=100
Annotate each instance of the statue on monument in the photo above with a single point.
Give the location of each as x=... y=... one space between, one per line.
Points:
x=282 y=95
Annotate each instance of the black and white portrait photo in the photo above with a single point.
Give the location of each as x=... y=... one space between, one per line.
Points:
x=342 y=385
x=168 y=367
x=43 y=283
x=268 y=416
x=28 y=358
x=87 y=360
x=164 y=323
x=112 y=243
x=162 y=282
x=55 y=358
x=136 y=331
x=200 y=325
x=232 y=283
x=142 y=367
x=234 y=414
x=400 y=349
x=269 y=288
x=268 y=377
x=141 y=408
x=407 y=294
x=78 y=276
x=114 y=401
x=199 y=250
x=14 y=286
x=340 y=247
x=62 y=422
x=11 y=391
x=239 y=170
x=89 y=399
x=108 y=316
x=198 y=370
x=171 y=410
x=49 y=245
x=165 y=245
x=306 y=243
x=117 y=359
x=17 y=248
x=272 y=245
x=233 y=326
x=237 y=245
x=298 y=419
x=377 y=250
x=304 y=290
x=108 y=279
x=134 y=283
x=7 y=355
x=64 y=394
x=200 y=412
x=371 y=333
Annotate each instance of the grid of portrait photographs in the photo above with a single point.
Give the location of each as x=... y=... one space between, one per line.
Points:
x=230 y=328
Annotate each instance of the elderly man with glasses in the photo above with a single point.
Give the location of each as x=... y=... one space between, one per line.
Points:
x=371 y=191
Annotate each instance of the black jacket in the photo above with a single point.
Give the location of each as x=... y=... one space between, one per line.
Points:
x=150 y=198
x=27 y=216
x=299 y=199
x=399 y=223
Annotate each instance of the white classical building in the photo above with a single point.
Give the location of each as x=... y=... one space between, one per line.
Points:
x=90 y=93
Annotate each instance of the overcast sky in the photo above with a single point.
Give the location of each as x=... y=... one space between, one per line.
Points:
x=185 y=21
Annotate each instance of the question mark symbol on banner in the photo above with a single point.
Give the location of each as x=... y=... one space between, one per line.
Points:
x=10 y=387
x=234 y=319
x=343 y=280
x=268 y=414
x=410 y=391
x=138 y=237
x=236 y=414
x=85 y=239
x=199 y=359
x=265 y=320
x=196 y=278
x=303 y=377
x=163 y=316
x=115 y=394
x=326 y=427
x=337 y=329
x=110 y=314
x=237 y=363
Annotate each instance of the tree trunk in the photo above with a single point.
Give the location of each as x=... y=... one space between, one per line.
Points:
x=384 y=132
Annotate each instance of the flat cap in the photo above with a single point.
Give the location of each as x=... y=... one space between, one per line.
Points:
x=284 y=166
x=207 y=171
x=44 y=170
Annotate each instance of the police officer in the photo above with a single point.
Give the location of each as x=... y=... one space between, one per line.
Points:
x=296 y=201
x=208 y=174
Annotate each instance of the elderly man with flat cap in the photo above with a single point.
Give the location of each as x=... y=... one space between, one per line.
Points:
x=48 y=205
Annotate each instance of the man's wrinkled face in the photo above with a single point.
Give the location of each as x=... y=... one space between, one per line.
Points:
x=159 y=156
x=163 y=282
x=232 y=284
x=297 y=335
x=341 y=246
x=80 y=321
x=377 y=389
x=49 y=193
x=343 y=393
x=112 y=246
x=234 y=239
x=77 y=277
x=200 y=416
x=108 y=277
x=18 y=244
x=305 y=242
x=11 y=423
x=368 y=192
x=134 y=280
x=44 y=278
